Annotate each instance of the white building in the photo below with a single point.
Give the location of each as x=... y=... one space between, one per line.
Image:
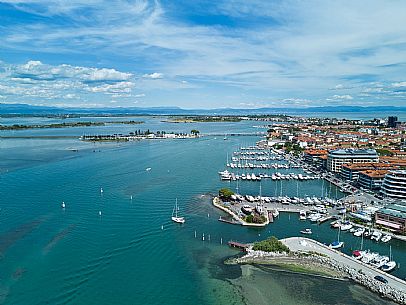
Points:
x=336 y=158
x=394 y=185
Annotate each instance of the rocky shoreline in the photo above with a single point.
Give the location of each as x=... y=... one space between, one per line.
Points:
x=315 y=263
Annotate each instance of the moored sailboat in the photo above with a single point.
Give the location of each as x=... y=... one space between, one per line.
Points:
x=175 y=216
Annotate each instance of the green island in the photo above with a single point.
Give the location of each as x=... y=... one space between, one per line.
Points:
x=65 y=125
x=202 y=119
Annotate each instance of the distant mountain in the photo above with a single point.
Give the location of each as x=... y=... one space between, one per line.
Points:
x=26 y=109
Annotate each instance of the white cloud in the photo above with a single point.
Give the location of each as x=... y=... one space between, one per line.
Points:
x=342 y=97
x=154 y=75
x=294 y=48
x=399 y=84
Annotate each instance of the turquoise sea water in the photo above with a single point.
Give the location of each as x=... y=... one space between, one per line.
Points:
x=74 y=256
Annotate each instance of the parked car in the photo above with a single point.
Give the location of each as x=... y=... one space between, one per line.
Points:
x=381 y=279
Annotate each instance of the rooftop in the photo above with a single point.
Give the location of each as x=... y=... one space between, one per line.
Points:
x=354 y=152
x=396 y=210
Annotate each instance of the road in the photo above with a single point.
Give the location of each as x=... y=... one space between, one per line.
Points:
x=306 y=244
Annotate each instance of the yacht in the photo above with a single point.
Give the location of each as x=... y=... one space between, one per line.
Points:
x=175 y=216
x=359 y=232
x=306 y=231
x=346 y=226
x=302 y=215
x=389 y=266
x=376 y=235
x=386 y=238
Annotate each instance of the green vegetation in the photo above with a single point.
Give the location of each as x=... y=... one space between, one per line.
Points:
x=199 y=118
x=294 y=148
x=384 y=152
x=271 y=244
x=255 y=218
x=194 y=132
x=225 y=193
x=65 y=125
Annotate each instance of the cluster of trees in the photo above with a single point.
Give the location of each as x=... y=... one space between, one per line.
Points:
x=225 y=193
x=271 y=244
x=290 y=147
x=255 y=218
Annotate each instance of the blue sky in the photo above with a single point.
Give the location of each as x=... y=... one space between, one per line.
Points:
x=202 y=54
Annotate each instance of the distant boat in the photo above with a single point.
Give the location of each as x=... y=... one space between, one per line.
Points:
x=100 y=213
x=148 y=169
x=63 y=205
x=306 y=231
x=175 y=216
x=101 y=190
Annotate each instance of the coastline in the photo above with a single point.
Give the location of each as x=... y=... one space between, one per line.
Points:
x=319 y=264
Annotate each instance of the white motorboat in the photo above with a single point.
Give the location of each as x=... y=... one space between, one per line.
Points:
x=389 y=266
x=359 y=232
x=302 y=215
x=175 y=216
x=306 y=231
x=336 y=244
x=315 y=217
x=275 y=213
x=63 y=205
x=376 y=235
x=386 y=238
x=345 y=226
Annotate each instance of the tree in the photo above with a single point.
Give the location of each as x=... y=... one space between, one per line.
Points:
x=195 y=132
x=225 y=193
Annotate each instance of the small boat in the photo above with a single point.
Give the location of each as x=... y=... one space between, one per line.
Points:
x=101 y=190
x=302 y=215
x=306 y=231
x=376 y=235
x=175 y=216
x=359 y=232
x=63 y=205
x=346 y=226
x=275 y=213
x=357 y=254
x=100 y=213
x=389 y=266
x=386 y=238
x=336 y=244
x=148 y=169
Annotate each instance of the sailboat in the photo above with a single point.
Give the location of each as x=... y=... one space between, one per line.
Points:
x=337 y=244
x=175 y=217
x=389 y=266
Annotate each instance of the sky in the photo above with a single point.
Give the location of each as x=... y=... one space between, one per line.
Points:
x=203 y=54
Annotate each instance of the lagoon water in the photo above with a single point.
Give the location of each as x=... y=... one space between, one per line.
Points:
x=51 y=255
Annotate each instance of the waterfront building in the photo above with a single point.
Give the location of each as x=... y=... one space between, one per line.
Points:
x=352 y=171
x=392 y=217
x=394 y=185
x=313 y=155
x=336 y=158
x=372 y=179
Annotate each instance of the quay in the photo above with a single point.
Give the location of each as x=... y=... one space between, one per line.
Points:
x=303 y=244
